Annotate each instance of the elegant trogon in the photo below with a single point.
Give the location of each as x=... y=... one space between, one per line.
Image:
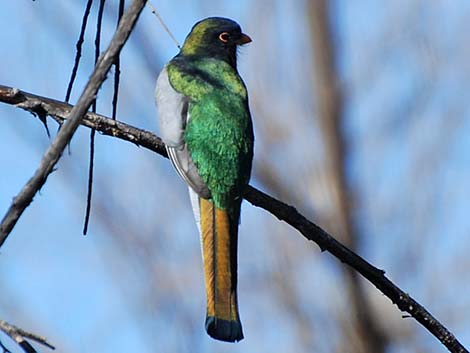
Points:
x=206 y=125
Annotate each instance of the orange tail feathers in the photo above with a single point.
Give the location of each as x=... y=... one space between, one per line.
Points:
x=219 y=246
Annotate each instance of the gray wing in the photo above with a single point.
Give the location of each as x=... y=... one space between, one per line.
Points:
x=173 y=116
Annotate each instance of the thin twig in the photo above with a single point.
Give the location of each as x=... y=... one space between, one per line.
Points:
x=99 y=22
x=91 y=165
x=91 y=168
x=78 y=53
x=53 y=153
x=117 y=66
x=18 y=335
x=160 y=19
x=5 y=349
x=59 y=111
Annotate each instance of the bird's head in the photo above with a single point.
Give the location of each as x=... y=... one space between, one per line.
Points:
x=215 y=37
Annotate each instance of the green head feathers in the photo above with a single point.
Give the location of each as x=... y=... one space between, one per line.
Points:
x=215 y=37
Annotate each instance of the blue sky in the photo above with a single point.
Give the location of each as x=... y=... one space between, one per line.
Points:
x=135 y=281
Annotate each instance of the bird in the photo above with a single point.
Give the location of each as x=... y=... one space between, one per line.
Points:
x=206 y=125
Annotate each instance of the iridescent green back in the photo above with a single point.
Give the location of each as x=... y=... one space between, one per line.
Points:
x=219 y=134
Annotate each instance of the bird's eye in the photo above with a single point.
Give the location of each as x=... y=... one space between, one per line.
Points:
x=224 y=36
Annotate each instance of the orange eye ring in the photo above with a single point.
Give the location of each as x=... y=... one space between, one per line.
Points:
x=224 y=37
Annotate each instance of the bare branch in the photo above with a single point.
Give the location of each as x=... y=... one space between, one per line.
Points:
x=78 y=53
x=59 y=111
x=18 y=335
x=53 y=153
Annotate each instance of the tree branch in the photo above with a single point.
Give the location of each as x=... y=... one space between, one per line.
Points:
x=59 y=111
x=53 y=153
x=18 y=335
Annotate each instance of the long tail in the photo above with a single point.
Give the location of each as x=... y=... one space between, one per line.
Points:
x=219 y=234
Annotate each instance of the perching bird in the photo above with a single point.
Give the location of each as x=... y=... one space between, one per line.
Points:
x=206 y=125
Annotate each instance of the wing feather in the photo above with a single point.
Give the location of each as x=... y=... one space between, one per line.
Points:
x=173 y=116
x=171 y=111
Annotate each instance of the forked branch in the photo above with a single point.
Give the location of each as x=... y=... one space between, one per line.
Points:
x=59 y=111
x=53 y=153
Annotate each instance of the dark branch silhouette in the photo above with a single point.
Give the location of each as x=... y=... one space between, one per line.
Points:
x=19 y=336
x=59 y=111
x=91 y=164
x=78 y=53
x=117 y=66
x=53 y=153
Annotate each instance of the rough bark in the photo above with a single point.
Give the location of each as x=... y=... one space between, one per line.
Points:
x=54 y=152
x=60 y=111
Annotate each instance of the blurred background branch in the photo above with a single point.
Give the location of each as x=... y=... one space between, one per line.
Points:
x=403 y=74
x=366 y=335
x=279 y=209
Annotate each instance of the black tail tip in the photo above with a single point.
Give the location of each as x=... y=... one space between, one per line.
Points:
x=224 y=330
